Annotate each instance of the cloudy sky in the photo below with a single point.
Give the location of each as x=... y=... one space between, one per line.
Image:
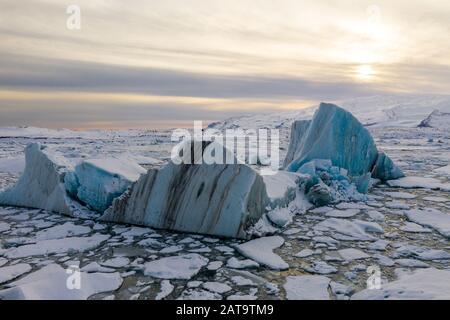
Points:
x=165 y=63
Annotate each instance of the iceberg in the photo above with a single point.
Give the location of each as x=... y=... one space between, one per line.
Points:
x=336 y=134
x=97 y=182
x=216 y=199
x=42 y=182
x=436 y=119
x=298 y=130
x=198 y=196
x=334 y=138
x=50 y=182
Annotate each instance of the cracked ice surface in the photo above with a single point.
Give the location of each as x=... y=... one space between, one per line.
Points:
x=400 y=229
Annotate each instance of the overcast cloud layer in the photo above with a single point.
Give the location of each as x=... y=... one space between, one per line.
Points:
x=165 y=63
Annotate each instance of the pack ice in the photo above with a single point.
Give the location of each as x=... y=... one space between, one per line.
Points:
x=331 y=158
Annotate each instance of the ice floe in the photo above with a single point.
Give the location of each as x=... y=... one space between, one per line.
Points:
x=50 y=283
x=411 y=182
x=261 y=251
x=308 y=287
x=166 y=289
x=345 y=229
x=4 y=226
x=421 y=284
x=45 y=247
x=241 y=264
x=65 y=230
x=217 y=287
x=432 y=218
x=351 y=254
x=422 y=253
x=444 y=170
x=12 y=272
x=176 y=267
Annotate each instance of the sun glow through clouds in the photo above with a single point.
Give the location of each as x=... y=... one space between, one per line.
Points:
x=365 y=72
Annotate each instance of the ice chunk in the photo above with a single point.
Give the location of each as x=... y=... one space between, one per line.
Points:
x=411 y=263
x=41 y=184
x=431 y=218
x=4 y=226
x=350 y=230
x=95 y=267
x=419 y=182
x=96 y=182
x=45 y=247
x=65 y=230
x=261 y=251
x=11 y=272
x=234 y=263
x=166 y=289
x=320 y=194
x=307 y=288
x=414 y=228
x=347 y=213
x=304 y=253
x=176 y=267
x=351 y=254
x=422 y=253
x=325 y=183
x=116 y=262
x=423 y=284
x=444 y=170
x=280 y=216
x=401 y=195
x=216 y=199
x=50 y=283
x=281 y=187
x=217 y=287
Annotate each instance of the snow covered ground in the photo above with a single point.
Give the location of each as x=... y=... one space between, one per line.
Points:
x=324 y=253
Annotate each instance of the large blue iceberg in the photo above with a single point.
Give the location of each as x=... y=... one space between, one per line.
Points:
x=334 y=134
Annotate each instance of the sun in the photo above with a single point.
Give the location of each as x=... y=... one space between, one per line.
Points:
x=365 y=72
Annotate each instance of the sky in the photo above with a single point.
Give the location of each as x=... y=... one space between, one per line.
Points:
x=166 y=63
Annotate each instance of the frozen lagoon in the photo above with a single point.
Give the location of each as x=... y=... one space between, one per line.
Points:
x=417 y=151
